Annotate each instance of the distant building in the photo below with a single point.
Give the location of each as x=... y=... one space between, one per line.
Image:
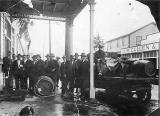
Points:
x=139 y=44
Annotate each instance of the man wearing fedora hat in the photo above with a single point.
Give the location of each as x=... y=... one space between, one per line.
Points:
x=39 y=66
x=25 y=73
x=100 y=59
x=71 y=71
x=64 y=78
x=6 y=68
x=52 y=68
x=77 y=75
x=29 y=67
x=18 y=71
x=47 y=60
x=84 y=74
x=58 y=72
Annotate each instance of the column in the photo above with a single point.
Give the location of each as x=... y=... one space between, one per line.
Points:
x=69 y=39
x=50 y=42
x=159 y=58
x=92 y=90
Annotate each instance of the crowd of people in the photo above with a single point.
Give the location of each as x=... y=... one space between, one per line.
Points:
x=72 y=73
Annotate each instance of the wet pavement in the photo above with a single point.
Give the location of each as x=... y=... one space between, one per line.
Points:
x=69 y=106
x=55 y=106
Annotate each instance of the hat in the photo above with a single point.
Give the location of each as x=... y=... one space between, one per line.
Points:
x=19 y=55
x=27 y=110
x=58 y=57
x=64 y=56
x=34 y=56
x=24 y=55
x=38 y=55
x=71 y=56
x=8 y=51
x=100 y=46
x=47 y=55
x=83 y=55
x=76 y=54
x=52 y=55
x=28 y=55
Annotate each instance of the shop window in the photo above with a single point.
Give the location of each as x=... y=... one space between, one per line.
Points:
x=138 y=40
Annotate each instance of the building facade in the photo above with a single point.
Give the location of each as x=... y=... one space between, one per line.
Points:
x=11 y=38
x=142 y=43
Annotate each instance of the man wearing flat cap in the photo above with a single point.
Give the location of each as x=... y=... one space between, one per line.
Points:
x=6 y=68
x=52 y=68
x=18 y=71
x=71 y=71
x=84 y=74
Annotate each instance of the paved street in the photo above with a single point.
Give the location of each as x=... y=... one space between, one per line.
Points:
x=55 y=106
x=58 y=106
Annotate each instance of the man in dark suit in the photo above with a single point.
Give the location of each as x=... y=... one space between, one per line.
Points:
x=18 y=71
x=71 y=71
x=64 y=78
x=39 y=66
x=12 y=82
x=53 y=68
x=29 y=67
x=77 y=75
x=100 y=58
x=100 y=54
x=84 y=74
x=58 y=72
x=25 y=73
x=6 y=68
x=46 y=62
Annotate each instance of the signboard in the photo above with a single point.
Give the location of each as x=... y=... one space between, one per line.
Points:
x=142 y=48
x=39 y=17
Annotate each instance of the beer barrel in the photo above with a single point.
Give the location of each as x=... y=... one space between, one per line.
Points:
x=143 y=68
x=44 y=86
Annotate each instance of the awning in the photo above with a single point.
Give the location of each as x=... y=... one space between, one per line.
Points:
x=59 y=10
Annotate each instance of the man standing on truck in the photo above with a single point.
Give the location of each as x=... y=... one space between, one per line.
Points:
x=100 y=59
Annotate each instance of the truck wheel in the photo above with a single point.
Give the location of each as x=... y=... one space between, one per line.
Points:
x=144 y=96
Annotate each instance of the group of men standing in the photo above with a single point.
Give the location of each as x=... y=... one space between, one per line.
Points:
x=18 y=69
x=22 y=68
x=74 y=72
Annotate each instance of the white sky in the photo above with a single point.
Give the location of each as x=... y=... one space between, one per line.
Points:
x=113 y=18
